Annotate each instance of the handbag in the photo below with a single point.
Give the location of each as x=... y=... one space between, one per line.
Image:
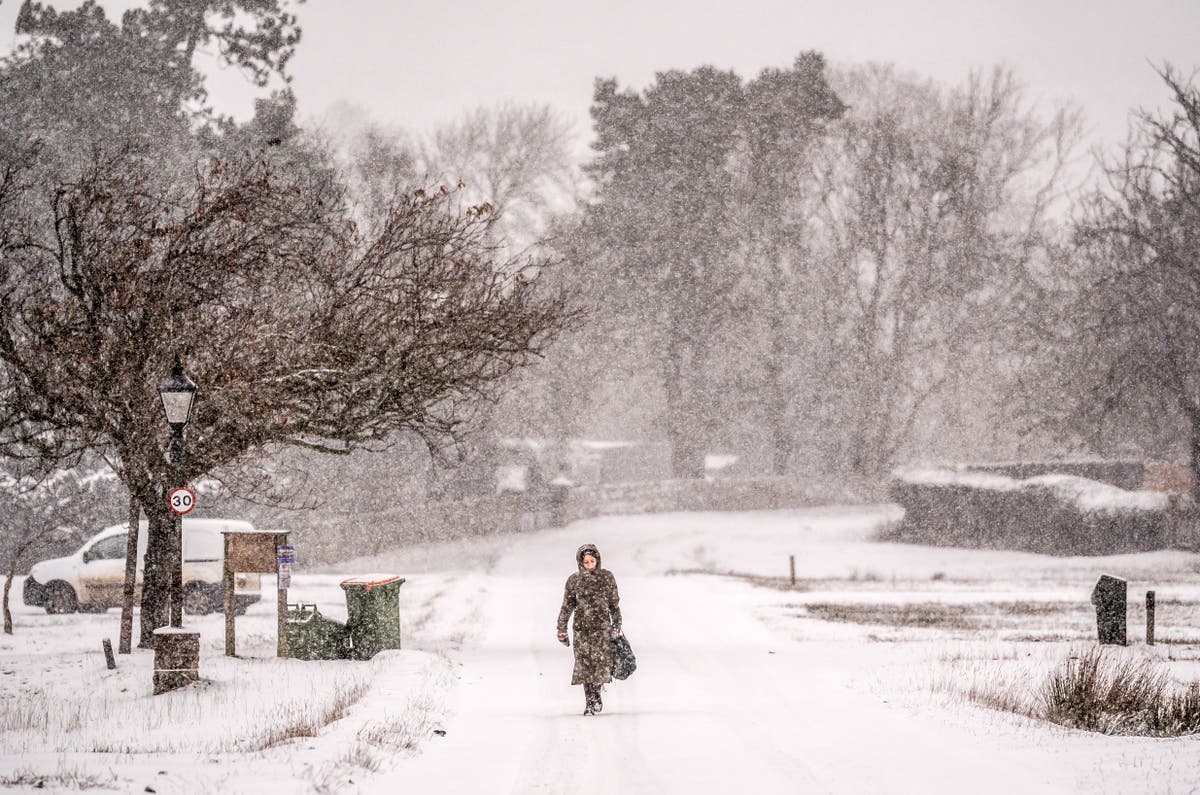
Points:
x=624 y=663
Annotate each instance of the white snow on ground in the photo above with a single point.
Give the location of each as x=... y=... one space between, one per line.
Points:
x=744 y=683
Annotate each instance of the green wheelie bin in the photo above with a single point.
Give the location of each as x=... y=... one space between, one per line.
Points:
x=312 y=636
x=373 y=613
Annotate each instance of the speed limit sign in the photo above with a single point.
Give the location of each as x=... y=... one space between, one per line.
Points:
x=182 y=500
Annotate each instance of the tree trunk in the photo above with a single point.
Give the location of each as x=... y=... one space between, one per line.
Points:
x=1194 y=416
x=687 y=454
x=130 y=576
x=13 y=565
x=782 y=437
x=862 y=432
x=8 y=625
x=777 y=401
x=687 y=447
x=156 y=577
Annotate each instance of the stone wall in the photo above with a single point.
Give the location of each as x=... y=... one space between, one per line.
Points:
x=750 y=494
x=328 y=539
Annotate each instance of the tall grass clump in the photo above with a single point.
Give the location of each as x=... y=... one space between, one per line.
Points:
x=308 y=719
x=1096 y=692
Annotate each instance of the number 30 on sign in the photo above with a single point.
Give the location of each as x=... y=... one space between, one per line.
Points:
x=182 y=500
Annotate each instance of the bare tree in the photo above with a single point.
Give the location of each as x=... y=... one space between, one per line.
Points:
x=517 y=158
x=936 y=205
x=381 y=163
x=300 y=329
x=1133 y=340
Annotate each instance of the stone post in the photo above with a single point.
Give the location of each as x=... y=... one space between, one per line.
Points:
x=1108 y=597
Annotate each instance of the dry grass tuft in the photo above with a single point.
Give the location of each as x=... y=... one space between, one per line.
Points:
x=310 y=719
x=864 y=576
x=992 y=654
x=403 y=732
x=360 y=756
x=1095 y=692
x=1005 y=694
x=925 y=614
x=62 y=779
x=397 y=733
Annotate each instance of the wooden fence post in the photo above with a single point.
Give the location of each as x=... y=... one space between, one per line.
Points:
x=1149 y=618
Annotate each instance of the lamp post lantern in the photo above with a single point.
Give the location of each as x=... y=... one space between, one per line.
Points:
x=177 y=392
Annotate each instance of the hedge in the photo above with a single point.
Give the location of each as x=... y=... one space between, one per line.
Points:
x=1054 y=513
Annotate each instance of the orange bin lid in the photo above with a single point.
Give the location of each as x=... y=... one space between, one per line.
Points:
x=372 y=580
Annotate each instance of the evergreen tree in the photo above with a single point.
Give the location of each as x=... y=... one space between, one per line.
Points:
x=661 y=231
x=787 y=112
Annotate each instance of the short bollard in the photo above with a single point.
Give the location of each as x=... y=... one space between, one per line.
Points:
x=1109 y=599
x=176 y=658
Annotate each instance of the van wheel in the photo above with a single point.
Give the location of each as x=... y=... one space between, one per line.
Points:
x=198 y=600
x=60 y=598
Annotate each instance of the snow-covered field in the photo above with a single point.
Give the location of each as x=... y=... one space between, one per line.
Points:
x=855 y=679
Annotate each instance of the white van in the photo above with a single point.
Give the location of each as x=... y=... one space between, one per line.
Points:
x=92 y=579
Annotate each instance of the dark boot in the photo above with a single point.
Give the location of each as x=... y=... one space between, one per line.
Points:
x=590 y=698
x=597 y=704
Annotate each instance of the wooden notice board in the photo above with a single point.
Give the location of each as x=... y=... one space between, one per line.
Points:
x=252 y=553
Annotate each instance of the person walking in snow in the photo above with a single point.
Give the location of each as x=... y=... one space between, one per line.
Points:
x=591 y=595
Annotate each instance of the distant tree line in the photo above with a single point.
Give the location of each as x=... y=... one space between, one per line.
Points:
x=844 y=270
x=811 y=263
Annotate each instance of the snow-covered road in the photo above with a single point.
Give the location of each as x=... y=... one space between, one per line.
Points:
x=720 y=702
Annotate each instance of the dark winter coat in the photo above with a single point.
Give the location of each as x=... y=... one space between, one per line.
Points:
x=592 y=597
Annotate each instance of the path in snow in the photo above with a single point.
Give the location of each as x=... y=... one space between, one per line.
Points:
x=719 y=703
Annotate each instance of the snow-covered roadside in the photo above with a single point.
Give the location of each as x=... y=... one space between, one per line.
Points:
x=742 y=683
x=254 y=723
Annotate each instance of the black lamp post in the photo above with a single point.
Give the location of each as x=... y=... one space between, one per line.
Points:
x=177 y=392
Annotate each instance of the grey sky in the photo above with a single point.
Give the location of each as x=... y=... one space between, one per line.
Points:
x=419 y=62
